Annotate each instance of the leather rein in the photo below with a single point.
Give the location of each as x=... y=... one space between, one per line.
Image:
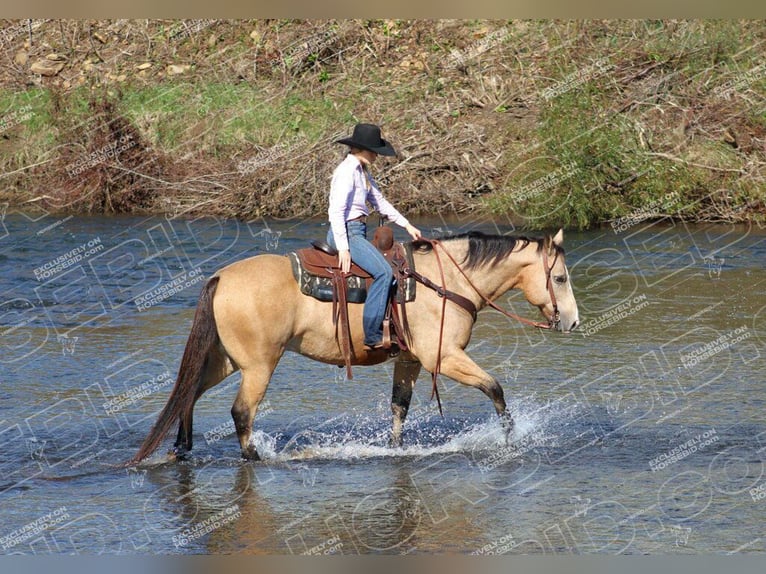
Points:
x=468 y=305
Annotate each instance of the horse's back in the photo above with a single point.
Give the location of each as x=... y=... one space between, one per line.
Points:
x=256 y=263
x=266 y=278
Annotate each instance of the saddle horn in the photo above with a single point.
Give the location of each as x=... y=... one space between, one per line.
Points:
x=383 y=238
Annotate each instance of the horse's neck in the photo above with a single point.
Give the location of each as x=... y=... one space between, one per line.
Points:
x=491 y=281
x=495 y=280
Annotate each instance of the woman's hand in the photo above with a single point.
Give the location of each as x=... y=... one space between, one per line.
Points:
x=345 y=260
x=413 y=231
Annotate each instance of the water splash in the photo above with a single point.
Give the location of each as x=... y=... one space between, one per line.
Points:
x=365 y=436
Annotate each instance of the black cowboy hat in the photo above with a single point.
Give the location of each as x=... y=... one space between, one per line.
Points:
x=367 y=136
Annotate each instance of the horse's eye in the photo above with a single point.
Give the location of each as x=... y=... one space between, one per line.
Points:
x=560 y=279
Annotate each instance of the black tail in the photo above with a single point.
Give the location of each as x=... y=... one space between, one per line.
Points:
x=181 y=401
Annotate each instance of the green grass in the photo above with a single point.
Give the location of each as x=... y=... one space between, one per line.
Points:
x=229 y=117
x=237 y=113
x=29 y=114
x=615 y=172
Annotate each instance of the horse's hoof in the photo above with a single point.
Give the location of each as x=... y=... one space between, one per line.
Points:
x=250 y=454
x=178 y=453
x=395 y=442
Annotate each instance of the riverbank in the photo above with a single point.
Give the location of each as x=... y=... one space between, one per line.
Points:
x=570 y=124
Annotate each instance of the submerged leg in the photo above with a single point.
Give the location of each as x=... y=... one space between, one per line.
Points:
x=405 y=374
x=183 y=444
x=251 y=392
x=460 y=367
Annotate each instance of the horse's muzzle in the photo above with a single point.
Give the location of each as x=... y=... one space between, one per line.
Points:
x=571 y=328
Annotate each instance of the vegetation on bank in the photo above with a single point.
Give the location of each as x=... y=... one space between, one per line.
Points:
x=545 y=123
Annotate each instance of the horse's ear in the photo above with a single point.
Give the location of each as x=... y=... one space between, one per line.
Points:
x=554 y=241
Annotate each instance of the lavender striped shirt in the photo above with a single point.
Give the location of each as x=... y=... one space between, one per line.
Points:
x=349 y=196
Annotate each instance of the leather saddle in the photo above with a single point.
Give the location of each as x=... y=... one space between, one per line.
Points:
x=315 y=268
x=323 y=258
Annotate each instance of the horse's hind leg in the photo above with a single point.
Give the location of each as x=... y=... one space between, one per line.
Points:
x=405 y=374
x=183 y=443
x=218 y=367
x=255 y=380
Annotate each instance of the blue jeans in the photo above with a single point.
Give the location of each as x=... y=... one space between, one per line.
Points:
x=367 y=256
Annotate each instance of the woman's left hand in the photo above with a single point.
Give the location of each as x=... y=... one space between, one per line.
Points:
x=413 y=231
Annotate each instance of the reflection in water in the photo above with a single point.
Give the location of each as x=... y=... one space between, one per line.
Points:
x=211 y=509
x=388 y=518
x=223 y=510
x=255 y=520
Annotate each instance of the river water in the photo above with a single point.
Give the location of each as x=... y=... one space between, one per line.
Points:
x=643 y=432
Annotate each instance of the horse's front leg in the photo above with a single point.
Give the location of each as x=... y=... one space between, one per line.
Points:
x=406 y=372
x=459 y=366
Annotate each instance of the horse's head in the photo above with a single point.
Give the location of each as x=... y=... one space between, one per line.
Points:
x=547 y=284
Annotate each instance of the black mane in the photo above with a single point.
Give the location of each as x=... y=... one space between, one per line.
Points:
x=484 y=249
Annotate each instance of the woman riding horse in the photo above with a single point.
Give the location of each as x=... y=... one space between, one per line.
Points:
x=352 y=187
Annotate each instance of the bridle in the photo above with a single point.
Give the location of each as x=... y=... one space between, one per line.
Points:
x=555 y=318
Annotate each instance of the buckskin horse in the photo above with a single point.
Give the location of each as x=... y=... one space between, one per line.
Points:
x=252 y=311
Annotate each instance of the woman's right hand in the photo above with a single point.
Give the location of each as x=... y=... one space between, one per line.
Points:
x=345 y=260
x=413 y=231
